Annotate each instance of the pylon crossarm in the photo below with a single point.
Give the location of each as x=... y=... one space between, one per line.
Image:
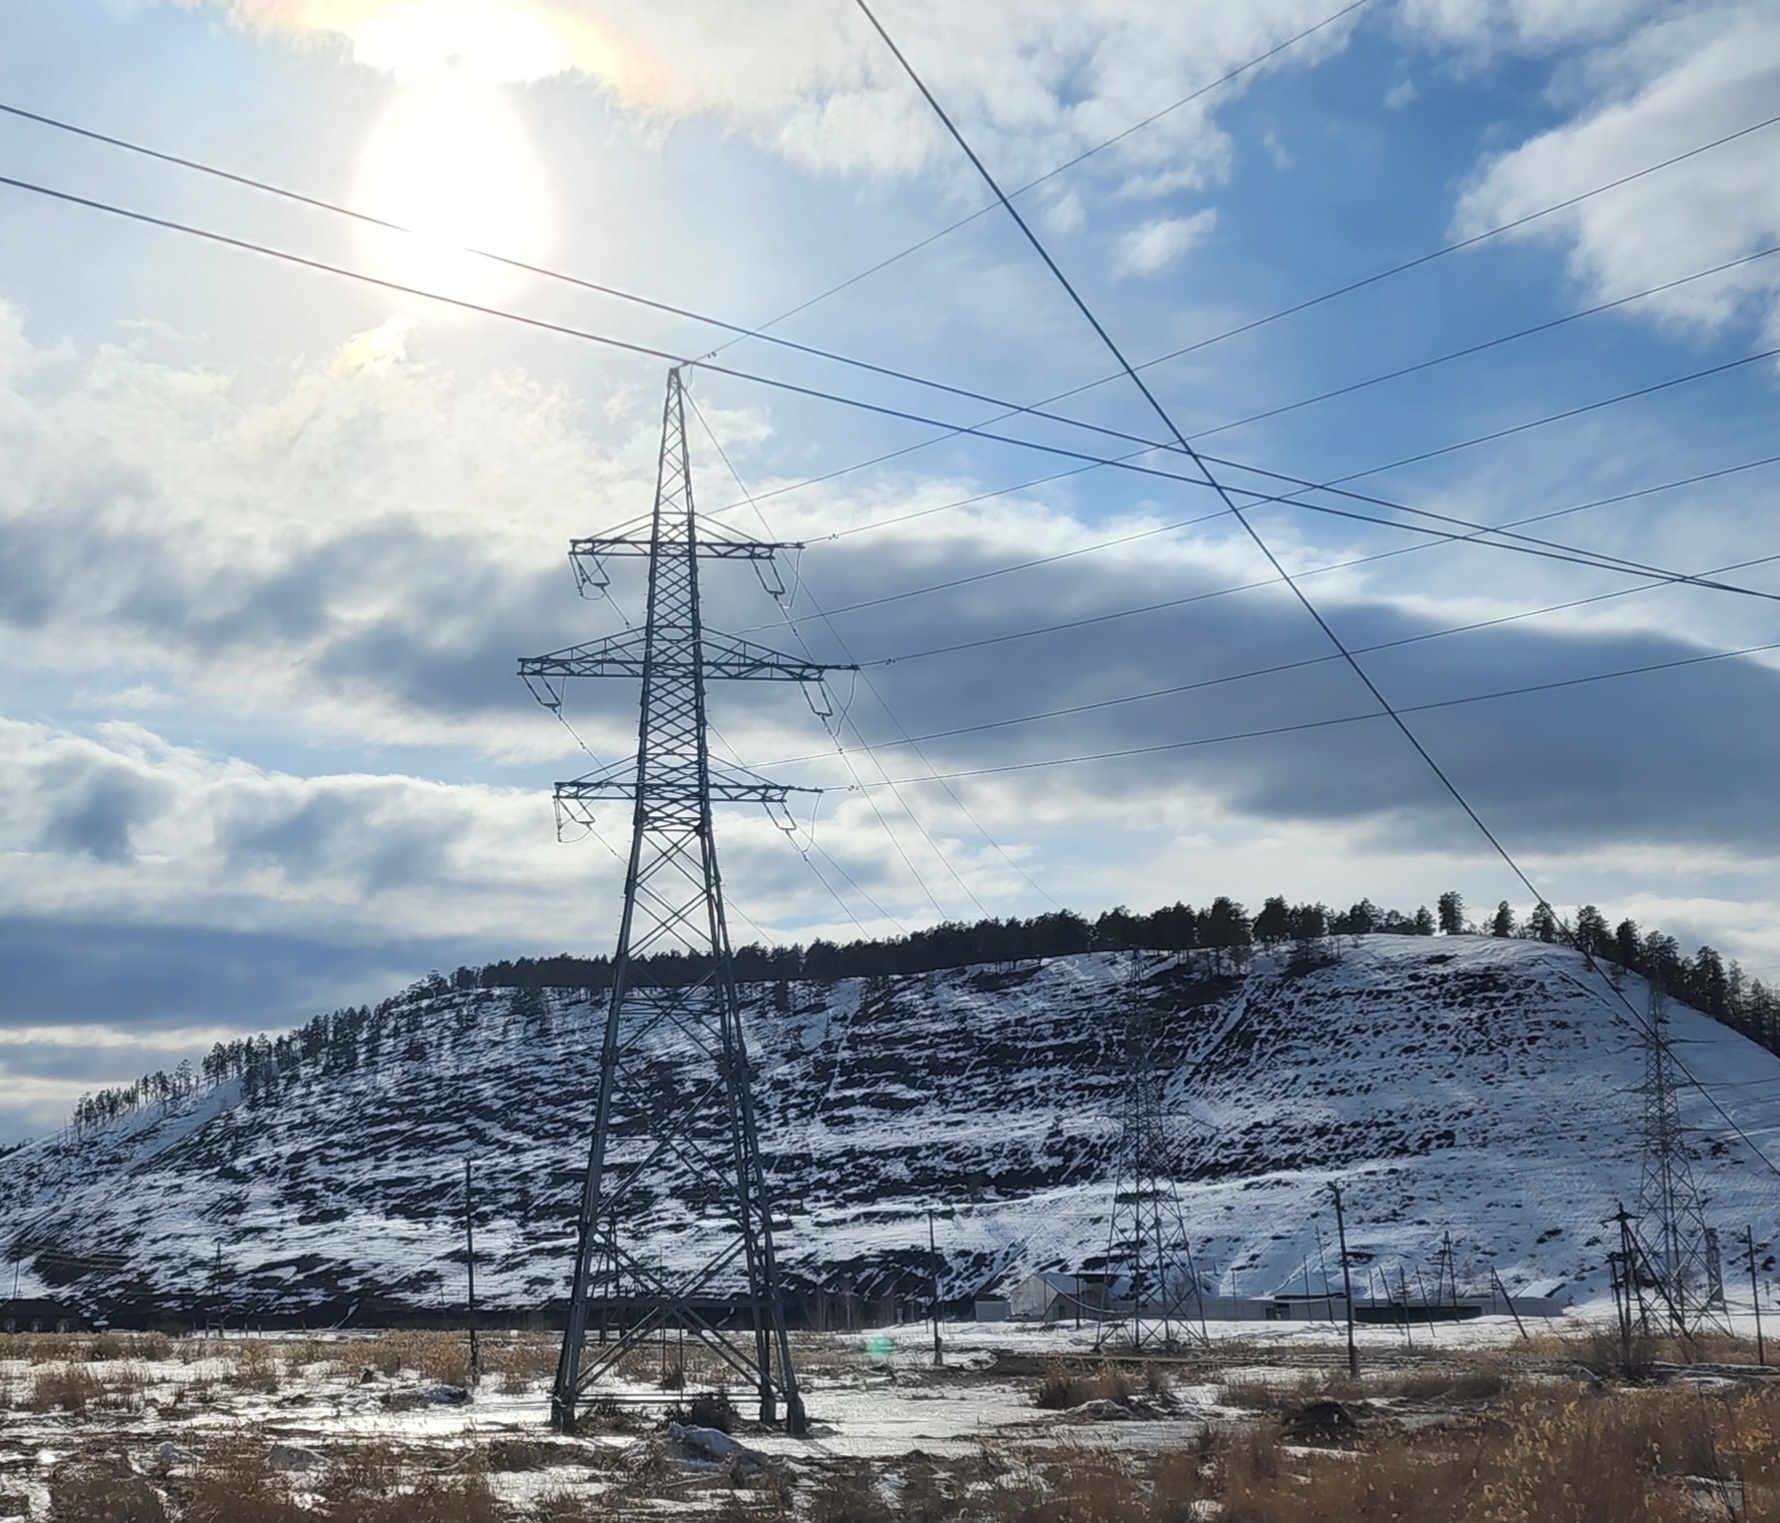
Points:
x=640 y=545
x=724 y=656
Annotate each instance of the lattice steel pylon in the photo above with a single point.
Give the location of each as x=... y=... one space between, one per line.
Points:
x=1147 y=1246
x=673 y=903
x=1677 y=1250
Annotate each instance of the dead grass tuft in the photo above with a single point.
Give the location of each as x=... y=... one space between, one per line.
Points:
x=76 y=1388
x=103 y=1490
x=1064 y=1385
x=253 y=1367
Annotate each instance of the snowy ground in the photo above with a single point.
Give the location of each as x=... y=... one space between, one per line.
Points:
x=307 y=1412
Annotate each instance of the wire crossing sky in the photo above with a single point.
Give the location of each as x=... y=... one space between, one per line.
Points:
x=1477 y=309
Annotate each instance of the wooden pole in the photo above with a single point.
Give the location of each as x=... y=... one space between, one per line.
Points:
x=1509 y=1300
x=939 y=1357
x=1761 y=1356
x=470 y=1264
x=1347 y=1284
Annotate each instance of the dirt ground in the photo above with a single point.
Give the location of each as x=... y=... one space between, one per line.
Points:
x=1261 y=1425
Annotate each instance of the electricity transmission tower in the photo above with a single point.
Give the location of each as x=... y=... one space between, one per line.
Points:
x=1677 y=1250
x=1147 y=1247
x=673 y=979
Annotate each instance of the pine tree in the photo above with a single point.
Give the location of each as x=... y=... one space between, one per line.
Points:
x=1502 y=922
x=1452 y=913
x=1274 y=923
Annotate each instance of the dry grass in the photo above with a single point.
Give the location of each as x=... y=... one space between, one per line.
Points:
x=1599 y=1349
x=1671 y=1456
x=103 y=1490
x=360 y=1483
x=1473 y=1381
x=520 y=1361
x=77 y=1388
x=1064 y=1385
x=61 y=1348
x=254 y=1367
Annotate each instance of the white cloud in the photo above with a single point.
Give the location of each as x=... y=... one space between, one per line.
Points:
x=1399 y=95
x=1481 y=28
x=1153 y=247
x=1035 y=82
x=1676 y=83
x=1065 y=213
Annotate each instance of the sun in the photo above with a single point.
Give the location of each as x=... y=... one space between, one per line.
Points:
x=451 y=161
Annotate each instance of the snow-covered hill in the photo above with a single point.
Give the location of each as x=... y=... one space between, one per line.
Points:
x=1482 y=1087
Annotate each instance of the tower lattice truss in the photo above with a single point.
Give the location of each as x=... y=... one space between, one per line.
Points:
x=1678 y=1251
x=1149 y=1263
x=720 y=1281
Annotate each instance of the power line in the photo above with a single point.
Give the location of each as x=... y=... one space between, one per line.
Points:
x=1168 y=422
x=884 y=824
x=1125 y=539
x=1264 y=671
x=846 y=719
x=1304 y=725
x=1260 y=543
x=817 y=393
x=1422 y=259
x=1050 y=174
x=543 y=271
x=1487 y=344
x=1361 y=560
x=542 y=324
x=1373 y=279
x=1219 y=592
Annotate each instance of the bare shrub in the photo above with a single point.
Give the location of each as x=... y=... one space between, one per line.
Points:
x=711 y=1409
x=559 y=1505
x=236 y=1487
x=456 y=1499
x=69 y=1387
x=255 y=1367
x=441 y=1357
x=848 y=1495
x=1064 y=1385
x=520 y=1363
x=103 y=1491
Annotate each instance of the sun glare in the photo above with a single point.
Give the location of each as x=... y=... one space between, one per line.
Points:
x=451 y=160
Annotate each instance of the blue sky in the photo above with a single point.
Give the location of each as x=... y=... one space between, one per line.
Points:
x=270 y=540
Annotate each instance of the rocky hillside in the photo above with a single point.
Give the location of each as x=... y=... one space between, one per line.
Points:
x=1481 y=1087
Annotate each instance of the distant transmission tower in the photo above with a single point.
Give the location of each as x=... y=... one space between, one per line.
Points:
x=1679 y=1252
x=703 y=1121
x=1147 y=1247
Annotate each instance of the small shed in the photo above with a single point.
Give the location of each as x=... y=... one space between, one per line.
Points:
x=1542 y=1298
x=1051 y=1296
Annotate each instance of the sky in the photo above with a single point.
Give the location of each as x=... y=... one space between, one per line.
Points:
x=272 y=538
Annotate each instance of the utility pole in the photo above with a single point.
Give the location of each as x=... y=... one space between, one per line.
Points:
x=1761 y=1355
x=1347 y=1283
x=933 y=1260
x=673 y=904
x=1508 y=1301
x=470 y=1263
x=1629 y=1281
